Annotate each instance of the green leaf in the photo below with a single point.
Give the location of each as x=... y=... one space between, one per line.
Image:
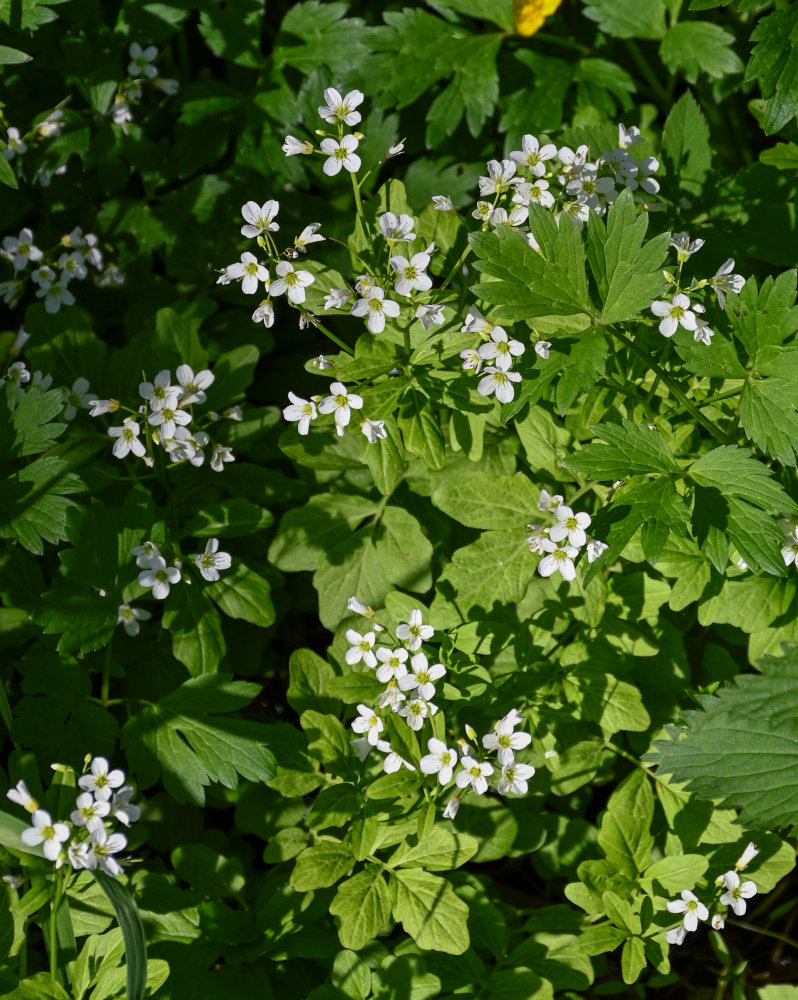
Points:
x=195 y=627
x=421 y=429
x=127 y=915
x=351 y=975
x=7 y=175
x=363 y=907
x=742 y=747
x=207 y=871
x=243 y=594
x=628 y=18
x=633 y=959
x=685 y=144
x=184 y=738
x=10 y=57
x=313 y=34
x=40 y=986
x=231 y=31
x=774 y=63
x=585 y=363
x=232 y=518
x=736 y=473
x=321 y=865
x=766 y=317
x=782 y=156
x=306 y=534
x=483 y=501
x=310 y=677
x=625 y=833
x=429 y=911
x=627 y=272
x=439 y=851
x=693 y=47
x=681 y=872
x=630 y=449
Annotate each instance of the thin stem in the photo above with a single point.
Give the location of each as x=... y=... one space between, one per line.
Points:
x=106 y=681
x=359 y=206
x=59 y=889
x=333 y=337
x=728 y=394
x=650 y=77
x=762 y=930
x=460 y=261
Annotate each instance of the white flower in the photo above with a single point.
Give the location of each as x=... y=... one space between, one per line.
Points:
x=130 y=618
x=533 y=155
x=412 y=273
x=374 y=430
x=166 y=85
x=421 y=680
x=483 y=211
x=510 y=721
x=295 y=147
x=572 y=160
x=747 y=856
x=515 y=778
x=396 y=150
x=473 y=773
x=722 y=283
x=393 y=761
x=505 y=741
x=500 y=382
x=264 y=314
x=703 y=331
x=361 y=746
x=684 y=247
x=100 y=781
x=212 y=560
x=340 y=402
x=517 y=217
x=718 y=923
x=427 y=315
x=538 y=193
x=160 y=577
x=23 y=797
x=440 y=760
x=676 y=935
x=102 y=849
x=569 y=525
x=169 y=417
x=144 y=554
x=391 y=697
x=302 y=410
x=451 y=807
x=44 y=831
x=399 y=228
x=642 y=176
x=89 y=813
x=692 y=908
x=159 y=390
x=259 y=218
x=141 y=61
x=193 y=385
x=249 y=272
x=558 y=560
x=42 y=381
x=186 y=446
x=628 y=137
x=595 y=549
x=375 y=307
x=442 y=203
x=588 y=188
x=392 y=664
x=368 y=722
x=414 y=632
x=123 y=808
x=20 y=249
x=675 y=313
x=353 y=604
x=471 y=359
x=501 y=348
x=340 y=155
x=16 y=145
x=77 y=398
x=292 y=282
x=361 y=648
x=737 y=893
x=127 y=439
x=17 y=372
x=72 y=265
x=337 y=298
x=43 y=276
x=549 y=502
x=415 y=711
x=220 y=455
x=501 y=177
x=310 y=234
x=121 y=113
x=341 y=109
x=577 y=211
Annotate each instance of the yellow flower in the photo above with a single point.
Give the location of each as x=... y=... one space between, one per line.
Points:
x=529 y=15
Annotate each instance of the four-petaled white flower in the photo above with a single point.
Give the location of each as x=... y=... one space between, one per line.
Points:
x=684 y=246
x=442 y=203
x=515 y=778
x=159 y=390
x=145 y=553
x=501 y=177
x=628 y=136
x=368 y=722
x=440 y=760
x=141 y=61
x=296 y=147
x=127 y=439
x=397 y=228
x=89 y=812
x=301 y=410
x=77 y=398
x=498 y=381
x=130 y=617
x=340 y=155
x=16 y=144
x=341 y=403
x=421 y=680
x=375 y=307
x=45 y=831
x=361 y=648
x=337 y=298
x=193 y=384
x=504 y=740
x=392 y=761
x=692 y=908
x=537 y=193
x=249 y=272
x=22 y=796
x=736 y=892
x=123 y=808
x=160 y=577
x=103 y=847
x=533 y=155
x=559 y=559
x=569 y=525
x=724 y=281
x=412 y=273
x=212 y=560
x=474 y=773
x=220 y=455
x=595 y=549
x=292 y=282
x=548 y=501
x=747 y=856
x=414 y=632
x=73 y=265
x=169 y=417
x=100 y=781
x=501 y=348
x=471 y=359
x=374 y=430
x=259 y=218
x=310 y=234
x=678 y=312
x=393 y=664
x=415 y=711
x=341 y=109
x=20 y=249
x=429 y=314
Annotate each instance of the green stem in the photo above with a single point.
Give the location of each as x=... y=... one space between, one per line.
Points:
x=689 y=405
x=359 y=207
x=59 y=890
x=460 y=261
x=711 y=400
x=333 y=337
x=762 y=930
x=650 y=77
x=106 y=681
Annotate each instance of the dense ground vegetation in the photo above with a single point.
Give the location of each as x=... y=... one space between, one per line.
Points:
x=398 y=499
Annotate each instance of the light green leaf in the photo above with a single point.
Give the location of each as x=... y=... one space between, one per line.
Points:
x=310 y=676
x=195 y=627
x=693 y=47
x=232 y=518
x=483 y=501
x=735 y=472
x=321 y=865
x=351 y=975
x=421 y=430
x=677 y=873
x=243 y=593
x=305 y=534
x=625 y=833
x=782 y=156
x=632 y=448
x=363 y=907
x=439 y=851
x=628 y=18
x=127 y=915
x=9 y=56
x=429 y=911
x=685 y=144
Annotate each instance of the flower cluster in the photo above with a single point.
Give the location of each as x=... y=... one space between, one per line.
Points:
x=18 y=145
x=166 y=409
x=498 y=349
x=735 y=895
x=682 y=309
x=159 y=577
x=87 y=838
x=76 y=398
x=340 y=403
x=561 y=542
x=410 y=681
x=142 y=72
x=789 y=550
x=52 y=275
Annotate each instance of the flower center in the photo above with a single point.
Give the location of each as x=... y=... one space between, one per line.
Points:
x=208 y=559
x=416 y=708
x=252 y=268
x=445 y=759
x=375 y=305
x=560 y=555
x=341 y=400
x=571 y=524
x=677 y=312
x=162 y=576
x=475 y=772
x=410 y=272
x=128 y=434
x=505 y=741
x=48 y=832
